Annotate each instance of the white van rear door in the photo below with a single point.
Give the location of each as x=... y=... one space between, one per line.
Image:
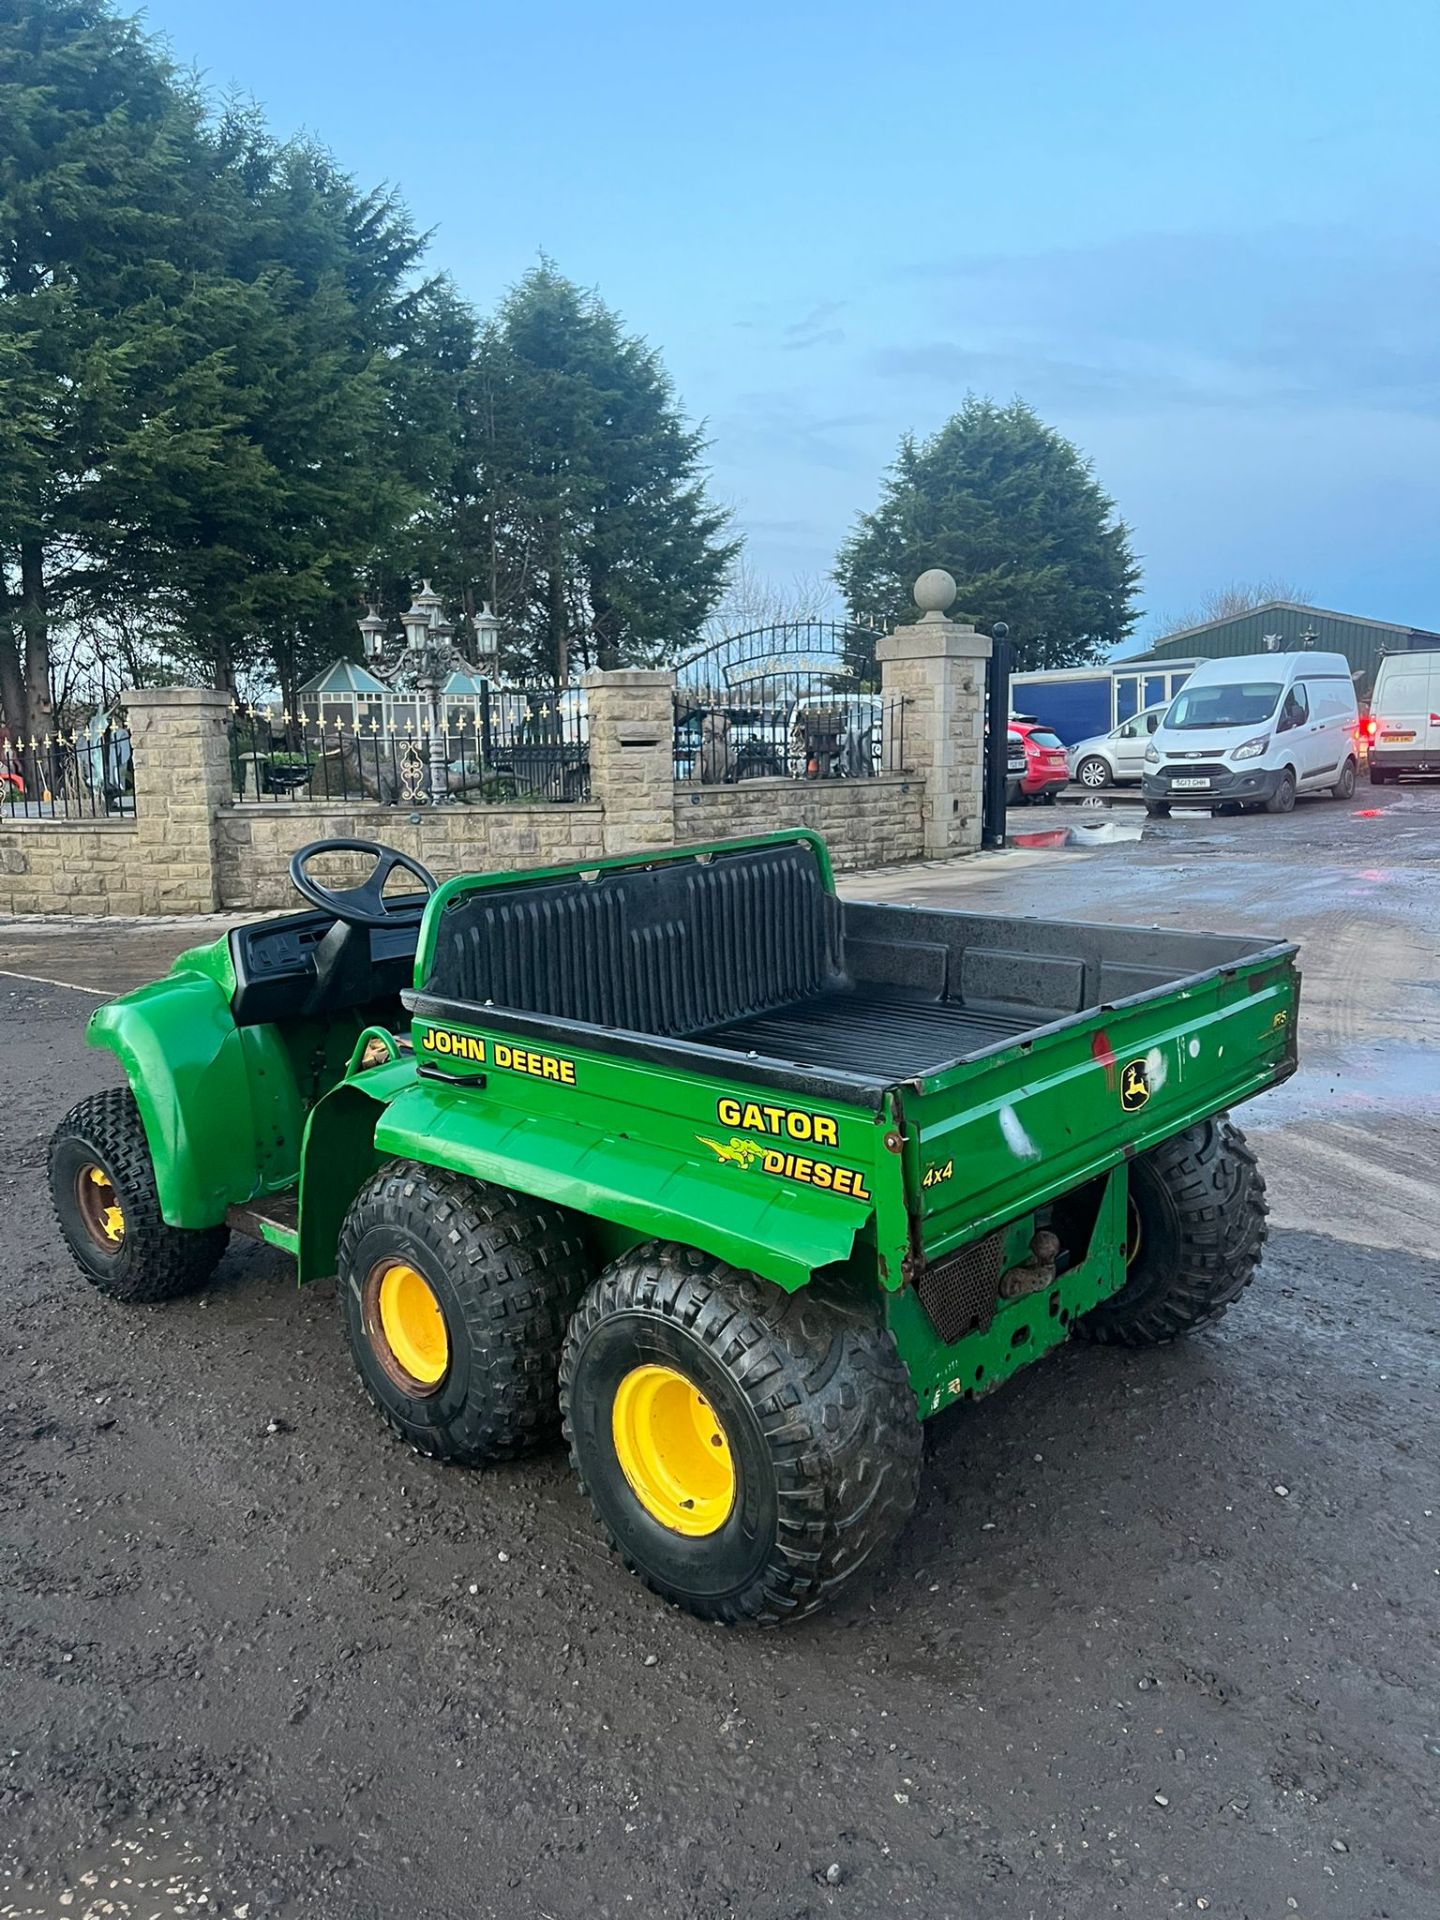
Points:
x=1408 y=712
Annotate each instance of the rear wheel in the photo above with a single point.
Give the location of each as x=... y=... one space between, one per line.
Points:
x=455 y=1296
x=746 y=1451
x=1382 y=776
x=102 y=1183
x=1197 y=1226
x=1344 y=787
x=1283 y=798
x=1093 y=771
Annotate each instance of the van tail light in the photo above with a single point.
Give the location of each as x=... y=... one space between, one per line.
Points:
x=1369 y=726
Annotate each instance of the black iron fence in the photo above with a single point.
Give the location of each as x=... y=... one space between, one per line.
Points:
x=85 y=773
x=517 y=745
x=786 y=726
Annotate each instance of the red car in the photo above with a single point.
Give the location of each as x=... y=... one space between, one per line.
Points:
x=1047 y=768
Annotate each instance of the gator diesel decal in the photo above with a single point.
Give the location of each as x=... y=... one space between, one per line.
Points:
x=787 y=1123
x=1134 y=1085
x=815 y=1173
x=788 y=1166
x=499 y=1053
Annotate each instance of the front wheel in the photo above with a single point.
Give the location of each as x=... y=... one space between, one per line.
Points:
x=1093 y=772
x=747 y=1451
x=1158 y=809
x=1283 y=798
x=1344 y=787
x=102 y=1184
x=1197 y=1227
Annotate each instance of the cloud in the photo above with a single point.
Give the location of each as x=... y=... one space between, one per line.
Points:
x=1291 y=319
x=782 y=424
x=816 y=329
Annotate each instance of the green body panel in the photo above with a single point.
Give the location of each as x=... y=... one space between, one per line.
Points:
x=1027 y=1123
x=339 y=1157
x=223 y=1106
x=1022 y=1329
x=220 y=1105
x=626 y=1142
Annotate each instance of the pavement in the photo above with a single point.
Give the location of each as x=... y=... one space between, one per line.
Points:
x=1161 y=1638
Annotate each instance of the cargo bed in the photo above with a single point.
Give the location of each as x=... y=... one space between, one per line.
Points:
x=749 y=954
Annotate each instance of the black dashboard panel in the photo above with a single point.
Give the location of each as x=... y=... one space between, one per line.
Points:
x=275 y=964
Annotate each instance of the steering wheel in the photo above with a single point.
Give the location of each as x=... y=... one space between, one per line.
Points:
x=365 y=905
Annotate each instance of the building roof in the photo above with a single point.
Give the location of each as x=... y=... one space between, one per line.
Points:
x=343 y=676
x=1286 y=613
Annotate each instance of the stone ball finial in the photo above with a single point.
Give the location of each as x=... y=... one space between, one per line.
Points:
x=935 y=592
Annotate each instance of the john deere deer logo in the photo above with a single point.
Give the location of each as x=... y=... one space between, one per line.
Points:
x=1134 y=1086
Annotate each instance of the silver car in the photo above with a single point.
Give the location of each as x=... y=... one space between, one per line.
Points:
x=1118 y=757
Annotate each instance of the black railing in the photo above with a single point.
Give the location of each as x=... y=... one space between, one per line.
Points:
x=516 y=746
x=786 y=726
x=82 y=774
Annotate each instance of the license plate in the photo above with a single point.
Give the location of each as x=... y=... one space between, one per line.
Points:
x=1187 y=786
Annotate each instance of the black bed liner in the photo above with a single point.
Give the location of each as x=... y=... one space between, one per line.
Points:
x=890 y=1031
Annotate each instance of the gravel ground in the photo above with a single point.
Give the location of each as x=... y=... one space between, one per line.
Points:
x=1161 y=1638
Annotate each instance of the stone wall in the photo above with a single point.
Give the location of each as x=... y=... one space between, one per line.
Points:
x=255 y=842
x=190 y=848
x=54 y=866
x=160 y=861
x=865 y=823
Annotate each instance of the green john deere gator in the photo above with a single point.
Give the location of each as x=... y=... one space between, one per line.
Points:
x=738 y=1180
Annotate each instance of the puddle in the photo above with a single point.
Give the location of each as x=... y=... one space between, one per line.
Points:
x=1394 y=1078
x=1081 y=833
x=151 y=1875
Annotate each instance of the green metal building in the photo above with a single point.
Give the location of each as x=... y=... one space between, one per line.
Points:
x=1285 y=626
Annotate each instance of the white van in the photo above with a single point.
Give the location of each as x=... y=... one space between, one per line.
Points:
x=1255 y=731
x=1404 y=723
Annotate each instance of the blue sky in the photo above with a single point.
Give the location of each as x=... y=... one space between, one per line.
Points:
x=1202 y=241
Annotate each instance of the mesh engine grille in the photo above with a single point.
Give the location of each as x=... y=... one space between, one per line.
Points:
x=960 y=1293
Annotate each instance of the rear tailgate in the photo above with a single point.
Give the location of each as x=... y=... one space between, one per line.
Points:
x=1008 y=1130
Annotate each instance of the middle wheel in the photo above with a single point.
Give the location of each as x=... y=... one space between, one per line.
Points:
x=455 y=1296
x=746 y=1450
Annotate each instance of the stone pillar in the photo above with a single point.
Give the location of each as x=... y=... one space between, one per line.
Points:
x=632 y=756
x=938 y=665
x=181 y=742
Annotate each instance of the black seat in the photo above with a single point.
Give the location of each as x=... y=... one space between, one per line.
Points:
x=668 y=950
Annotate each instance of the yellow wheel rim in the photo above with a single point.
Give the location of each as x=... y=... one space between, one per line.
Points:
x=413 y=1327
x=100 y=1207
x=1132 y=1237
x=673 y=1451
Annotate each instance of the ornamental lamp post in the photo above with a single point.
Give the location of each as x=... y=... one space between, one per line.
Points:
x=486 y=627
x=427 y=659
x=372 y=633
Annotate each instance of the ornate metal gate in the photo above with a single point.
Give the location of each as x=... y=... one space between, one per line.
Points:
x=800 y=700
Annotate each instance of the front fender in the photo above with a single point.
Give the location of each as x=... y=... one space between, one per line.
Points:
x=181 y=1051
x=219 y=1103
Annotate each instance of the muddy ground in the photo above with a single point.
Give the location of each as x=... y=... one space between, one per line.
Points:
x=1161 y=1638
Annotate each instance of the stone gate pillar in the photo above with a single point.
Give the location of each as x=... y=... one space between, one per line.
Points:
x=181 y=742
x=632 y=756
x=938 y=666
